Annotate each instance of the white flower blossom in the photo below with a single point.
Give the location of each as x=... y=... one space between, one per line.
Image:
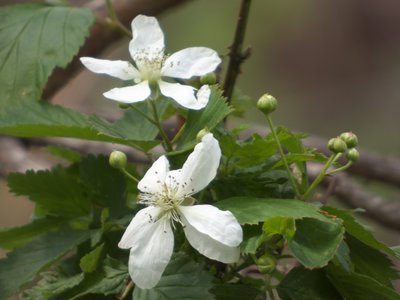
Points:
x=213 y=232
x=151 y=65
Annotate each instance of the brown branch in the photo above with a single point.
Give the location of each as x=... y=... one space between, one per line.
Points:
x=101 y=37
x=354 y=195
x=236 y=56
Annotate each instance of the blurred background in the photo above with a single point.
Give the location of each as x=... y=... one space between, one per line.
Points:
x=334 y=66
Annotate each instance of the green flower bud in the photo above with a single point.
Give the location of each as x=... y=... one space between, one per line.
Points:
x=267 y=104
x=353 y=155
x=337 y=145
x=209 y=78
x=201 y=134
x=118 y=160
x=350 y=139
x=266 y=263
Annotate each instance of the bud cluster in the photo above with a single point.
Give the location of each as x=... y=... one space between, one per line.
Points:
x=346 y=142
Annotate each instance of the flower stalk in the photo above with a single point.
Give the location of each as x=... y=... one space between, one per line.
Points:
x=283 y=157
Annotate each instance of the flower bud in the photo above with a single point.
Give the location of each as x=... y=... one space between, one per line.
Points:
x=353 y=155
x=337 y=145
x=267 y=104
x=209 y=78
x=350 y=139
x=118 y=160
x=201 y=134
x=266 y=263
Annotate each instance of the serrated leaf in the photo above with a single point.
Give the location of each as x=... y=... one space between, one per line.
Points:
x=303 y=284
x=354 y=286
x=215 y=111
x=24 y=263
x=111 y=280
x=50 y=120
x=105 y=184
x=52 y=285
x=235 y=292
x=371 y=262
x=255 y=151
x=342 y=257
x=34 y=39
x=67 y=154
x=354 y=228
x=58 y=191
x=182 y=279
x=250 y=210
x=316 y=242
x=90 y=261
x=252 y=238
x=17 y=236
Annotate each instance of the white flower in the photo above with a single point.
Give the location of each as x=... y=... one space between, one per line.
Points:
x=213 y=232
x=151 y=64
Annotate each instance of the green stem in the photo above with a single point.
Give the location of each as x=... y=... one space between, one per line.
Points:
x=285 y=163
x=321 y=175
x=346 y=166
x=236 y=56
x=129 y=175
x=166 y=142
x=115 y=21
x=179 y=133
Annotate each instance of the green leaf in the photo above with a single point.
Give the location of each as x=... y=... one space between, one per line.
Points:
x=396 y=250
x=67 y=154
x=250 y=210
x=279 y=225
x=34 y=39
x=209 y=117
x=353 y=286
x=255 y=151
x=316 y=242
x=234 y=292
x=51 y=285
x=17 y=236
x=105 y=184
x=182 y=279
x=303 y=284
x=371 y=262
x=58 y=191
x=342 y=257
x=111 y=280
x=354 y=228
x=49 y=120
x=252 y=239
x=90 y=261
x=24 y=263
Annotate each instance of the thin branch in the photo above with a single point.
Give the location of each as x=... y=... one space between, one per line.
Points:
x=236 y=54
x=354 y=195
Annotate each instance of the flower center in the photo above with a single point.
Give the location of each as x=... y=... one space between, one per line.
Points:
x=149 y=64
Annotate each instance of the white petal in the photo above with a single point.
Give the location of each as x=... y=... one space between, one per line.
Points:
x=209 y=247
x=185 y=94
x=153 y=181
x=130 y=94
x=219 y=225
x=151 y=245
x=189 y=62
x=148 y=38
x=139 y=222
x=200 y=167
x=115 y=68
